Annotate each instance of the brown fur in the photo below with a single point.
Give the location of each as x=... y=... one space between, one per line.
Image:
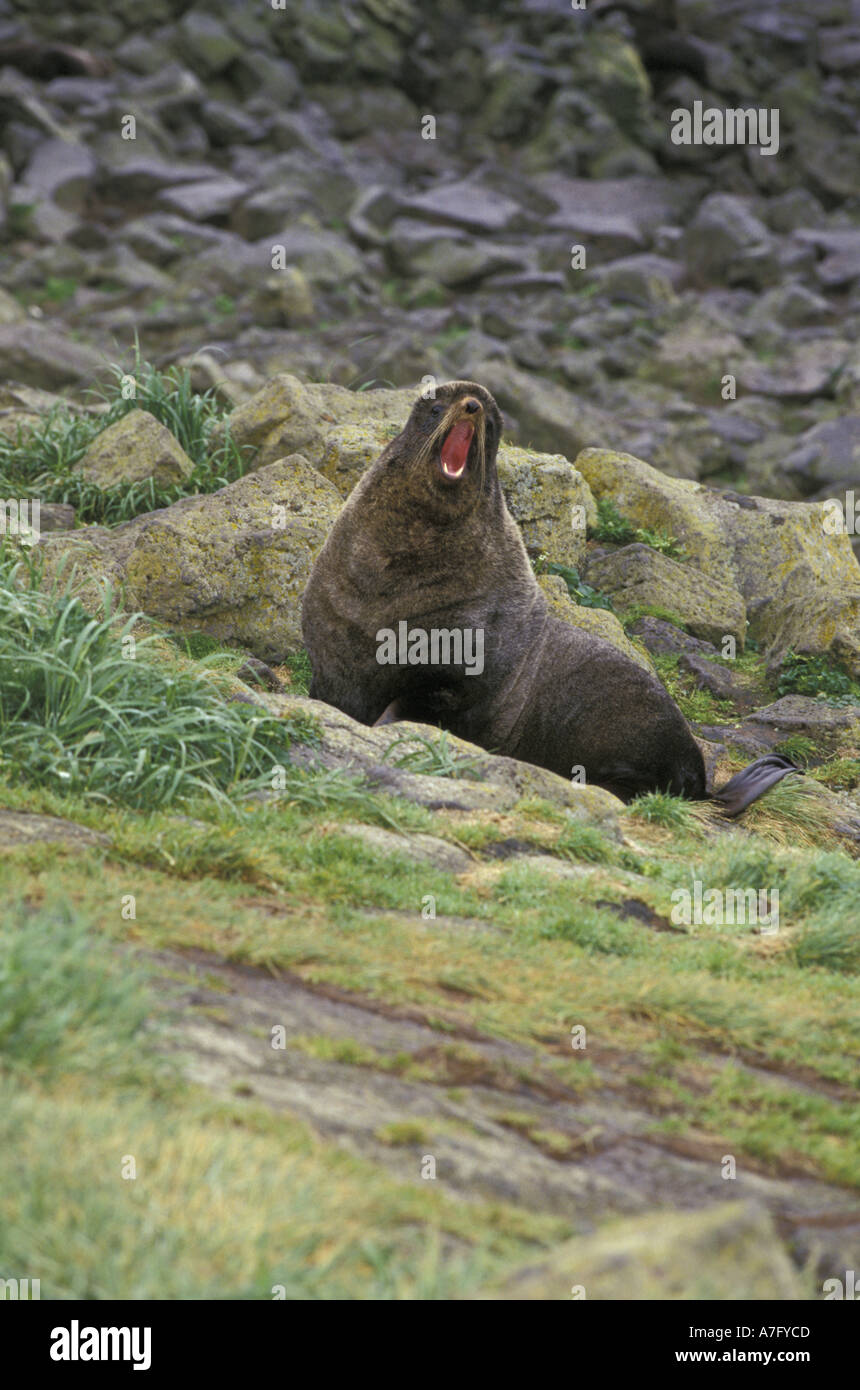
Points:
x=410 y=546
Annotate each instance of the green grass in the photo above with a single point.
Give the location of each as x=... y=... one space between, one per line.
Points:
x=583 y=594
x=226 y=1200
x=433 y=756
x=43 y=463
x=659 y=808
x=699 y=706
x=231 y=1198
x=818 y=677
x=79 y=714
x=615 y=529
x=66 y=1004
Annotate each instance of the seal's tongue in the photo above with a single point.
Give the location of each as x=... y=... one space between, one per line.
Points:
x=455 y=450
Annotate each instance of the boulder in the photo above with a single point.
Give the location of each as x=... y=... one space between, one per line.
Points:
x=550 y=501
x=233 y=564
x=637 y=576
x=824 y=623
x=489 y=782
x=597 y=621
x=727 y=244
x=133 y=449
x=42 y=357
x=778 y=555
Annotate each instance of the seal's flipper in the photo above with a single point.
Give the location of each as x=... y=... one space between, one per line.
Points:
x=747 y=786
x=390 y=714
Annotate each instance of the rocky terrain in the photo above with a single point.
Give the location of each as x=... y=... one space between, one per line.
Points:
x=234 y=242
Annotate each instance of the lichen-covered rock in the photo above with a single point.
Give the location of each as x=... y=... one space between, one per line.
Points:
x=800 y=714
x=291 y=416
x=493 y=782
x=133 y=449
x=348 y=451
x=789 y=567
x=19 y=828
x=637 y=576
x=550 y=500
x=233 y=564
x=598 y=621
x=825 y=623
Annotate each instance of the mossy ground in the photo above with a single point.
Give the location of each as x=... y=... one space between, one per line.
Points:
x=232 y=1199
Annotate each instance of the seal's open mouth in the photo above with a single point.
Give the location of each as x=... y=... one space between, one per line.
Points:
x=455 y=449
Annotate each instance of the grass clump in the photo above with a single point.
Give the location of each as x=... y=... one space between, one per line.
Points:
x=659 y=808
x=76 y=713
x=583 y=594
x=615 y=529
x=66 y=1004
x=44 y=463
x=578 y=841
x=818 y=677
x=434 y=757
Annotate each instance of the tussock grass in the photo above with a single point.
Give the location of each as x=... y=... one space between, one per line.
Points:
x=579 y=841
x=433 y=756
x=792 y=812
x=78 y=714
x=659 y=808
x=42 y=464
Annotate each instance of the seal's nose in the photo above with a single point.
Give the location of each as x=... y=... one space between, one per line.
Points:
x=471 y=405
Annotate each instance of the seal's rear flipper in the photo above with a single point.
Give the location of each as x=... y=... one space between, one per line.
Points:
x=747 y=786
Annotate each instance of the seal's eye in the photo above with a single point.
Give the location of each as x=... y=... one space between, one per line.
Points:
x=435 y=413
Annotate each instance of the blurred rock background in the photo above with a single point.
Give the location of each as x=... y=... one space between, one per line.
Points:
x=304 y=128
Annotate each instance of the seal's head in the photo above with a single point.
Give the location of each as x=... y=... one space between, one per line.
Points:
x=450 y=442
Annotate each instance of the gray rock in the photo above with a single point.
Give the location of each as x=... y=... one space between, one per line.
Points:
x=133 y=449
x=727 y=244
x=840 y=262
x=135 y=179
x=613 y=217
x=719 y=681
x=661 y=637
x=60 y=171
x=40 y=356
x=21 y=828
x=209 y=200
x=546 y=416
x=420 y=849
x=466 y=203
x=206 y=43
x=647 y=280
x=805 y=370
x=827 y=456
x=635 y=574
x=447 y=257
x=728 y=1251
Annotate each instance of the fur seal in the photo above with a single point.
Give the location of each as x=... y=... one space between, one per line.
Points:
x=425 y=544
